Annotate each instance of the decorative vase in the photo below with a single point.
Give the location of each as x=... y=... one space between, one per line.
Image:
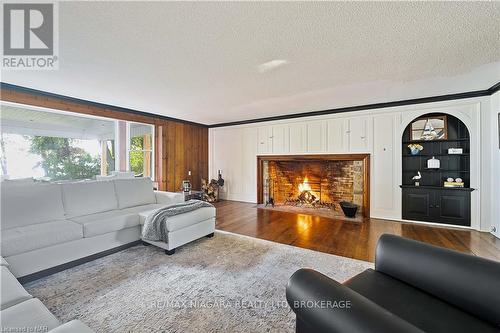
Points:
x=414 y=151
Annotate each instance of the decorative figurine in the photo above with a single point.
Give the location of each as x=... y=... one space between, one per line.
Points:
x=457 y=182
x=433 y=163
x=417 y=178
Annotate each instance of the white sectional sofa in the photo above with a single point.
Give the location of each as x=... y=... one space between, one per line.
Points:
x=49 y=227
x=20 y=312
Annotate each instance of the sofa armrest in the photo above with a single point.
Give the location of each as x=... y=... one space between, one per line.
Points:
x=74 y=326
x=168 y=198
x=463 y=280
x=324 y=305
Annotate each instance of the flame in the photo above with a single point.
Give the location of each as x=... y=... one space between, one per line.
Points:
x=305 y=186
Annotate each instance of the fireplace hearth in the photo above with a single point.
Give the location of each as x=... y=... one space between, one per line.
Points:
x=314 y=181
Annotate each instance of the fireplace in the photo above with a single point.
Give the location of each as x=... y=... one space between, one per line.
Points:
x=314 y=181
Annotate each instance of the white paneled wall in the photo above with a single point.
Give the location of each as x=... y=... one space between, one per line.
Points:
x=234 y=149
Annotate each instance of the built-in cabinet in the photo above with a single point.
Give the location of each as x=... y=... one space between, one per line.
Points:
x=335 y=135
x=383 y=165
x=280 y=139
x=264 y=137
x=358 y=134
x=316 y=137
x=298 y=138
x=450 y=206
x=425 y=197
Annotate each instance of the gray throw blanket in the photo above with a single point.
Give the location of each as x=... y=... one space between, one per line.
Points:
x=155 y=226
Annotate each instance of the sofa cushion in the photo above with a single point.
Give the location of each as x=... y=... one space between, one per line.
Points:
x=134 y=192
x=187 y=219
x=415 y=306
x=102 y=223
x=169 y=198
x=28 y=316
x=36 y=236
x=84 y=198
x=12 y=291
x=29 y=204
x=74 y=326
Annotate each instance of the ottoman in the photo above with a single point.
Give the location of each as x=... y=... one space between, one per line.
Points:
x=184 y=228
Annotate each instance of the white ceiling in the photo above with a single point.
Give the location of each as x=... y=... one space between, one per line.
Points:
x=200 y=61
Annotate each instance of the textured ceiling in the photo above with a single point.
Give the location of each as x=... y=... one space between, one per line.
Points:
x=200 y=61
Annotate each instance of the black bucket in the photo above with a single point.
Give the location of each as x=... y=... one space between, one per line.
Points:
x=349 y=208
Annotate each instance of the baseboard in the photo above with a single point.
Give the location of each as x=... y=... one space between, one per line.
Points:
x=62 y=267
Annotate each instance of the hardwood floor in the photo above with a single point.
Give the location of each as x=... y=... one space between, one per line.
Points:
x=348 y=239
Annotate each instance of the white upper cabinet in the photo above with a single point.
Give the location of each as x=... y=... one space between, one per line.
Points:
x=280 y=139
x=298 y=138
x=383 y=162
x=264 y=140
x=249 y=163
x=317 y=137
x=359 y=134
x=337 y=135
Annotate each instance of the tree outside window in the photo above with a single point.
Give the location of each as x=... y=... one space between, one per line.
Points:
x=141 y=149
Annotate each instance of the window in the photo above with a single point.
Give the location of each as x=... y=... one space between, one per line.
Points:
x=140 y=149
x=56 y=146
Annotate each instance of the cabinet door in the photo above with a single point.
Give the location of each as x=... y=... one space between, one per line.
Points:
x=337 y=136
x=316 y=137
x=280 y=139
x=383 y=163
x=359 y=134
x=263 y=135
x=453 y=207
x=298 y=137
x=417 y=204
x=249 y=165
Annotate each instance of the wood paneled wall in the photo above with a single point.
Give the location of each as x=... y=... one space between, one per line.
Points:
x=180 y=146
x=184 y=148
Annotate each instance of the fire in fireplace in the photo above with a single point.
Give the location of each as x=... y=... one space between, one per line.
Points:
x=306 y=196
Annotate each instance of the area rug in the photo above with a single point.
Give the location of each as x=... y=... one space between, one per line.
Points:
x=228 y=283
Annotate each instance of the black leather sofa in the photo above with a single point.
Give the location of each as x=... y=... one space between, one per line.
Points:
x=415 y=287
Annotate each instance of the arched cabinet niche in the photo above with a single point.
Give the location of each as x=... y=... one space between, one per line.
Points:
x=436 y=170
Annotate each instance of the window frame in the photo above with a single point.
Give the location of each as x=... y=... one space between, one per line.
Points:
x=128 y=150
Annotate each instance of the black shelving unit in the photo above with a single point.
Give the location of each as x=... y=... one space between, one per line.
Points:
x=431 y=201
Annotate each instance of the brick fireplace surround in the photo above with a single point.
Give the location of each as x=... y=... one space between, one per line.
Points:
x=332 y=178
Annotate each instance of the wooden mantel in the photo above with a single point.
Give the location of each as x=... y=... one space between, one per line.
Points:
x=365 y=158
